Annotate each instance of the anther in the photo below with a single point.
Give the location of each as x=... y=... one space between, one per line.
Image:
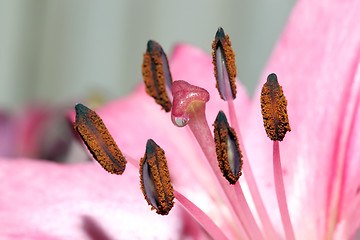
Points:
x=98 y=140
x=155 y=179
x=224 y=65
x=273 y=108
x=227 y=149
x=157 y=76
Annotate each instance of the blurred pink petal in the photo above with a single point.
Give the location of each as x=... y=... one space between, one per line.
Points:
x=43 y=132
x=36 y=131
x=45 y=200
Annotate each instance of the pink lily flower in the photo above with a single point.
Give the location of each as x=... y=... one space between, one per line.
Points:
x=317 y=62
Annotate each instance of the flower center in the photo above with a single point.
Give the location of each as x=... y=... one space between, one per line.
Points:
x=224 y=150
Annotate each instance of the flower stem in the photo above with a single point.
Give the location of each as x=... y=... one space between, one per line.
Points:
x=250 y=179
x=200 y=128
x=280 y=193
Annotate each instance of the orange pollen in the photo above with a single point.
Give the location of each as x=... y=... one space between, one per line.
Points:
x=98 y=140
x=223 y=42
x=154 y=76
x=155 y=179
x=273 y=109
x=227 y=149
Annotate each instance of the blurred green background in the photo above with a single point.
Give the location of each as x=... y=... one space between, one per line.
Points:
x=63 y=51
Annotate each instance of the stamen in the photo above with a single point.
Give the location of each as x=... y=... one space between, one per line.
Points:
x=273 y=108
x=204 y=220
x=227 y=149
x=276 y=123
x=155 y=179
x=224 y=65
x=98 y=140
x=157 y=76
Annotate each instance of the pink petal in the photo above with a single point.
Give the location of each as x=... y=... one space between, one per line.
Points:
x=317 y=62
x=44 y=200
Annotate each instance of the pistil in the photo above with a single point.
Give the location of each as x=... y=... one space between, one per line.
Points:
x=189 y=103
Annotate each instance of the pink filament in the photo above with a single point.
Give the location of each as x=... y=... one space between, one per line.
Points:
x=203 y=219
x=280 y=193
x=250 y=179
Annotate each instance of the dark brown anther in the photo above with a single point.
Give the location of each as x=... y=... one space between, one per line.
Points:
x=224 y=65
x=227 y=149
x=156 y=74
x=98 y=140
x=155 y=179
x=273 y=109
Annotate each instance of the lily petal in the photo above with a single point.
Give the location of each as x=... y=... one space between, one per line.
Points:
x=317 y=61
x=45 y=200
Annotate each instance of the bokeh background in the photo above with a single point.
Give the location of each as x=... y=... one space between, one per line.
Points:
x=60 y=52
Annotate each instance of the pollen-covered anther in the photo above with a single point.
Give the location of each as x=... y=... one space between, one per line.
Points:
x=98 y=140
x=155 y=179
x=273 y=109
x=156 y=74
x=224 y=65
x=227 y=149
